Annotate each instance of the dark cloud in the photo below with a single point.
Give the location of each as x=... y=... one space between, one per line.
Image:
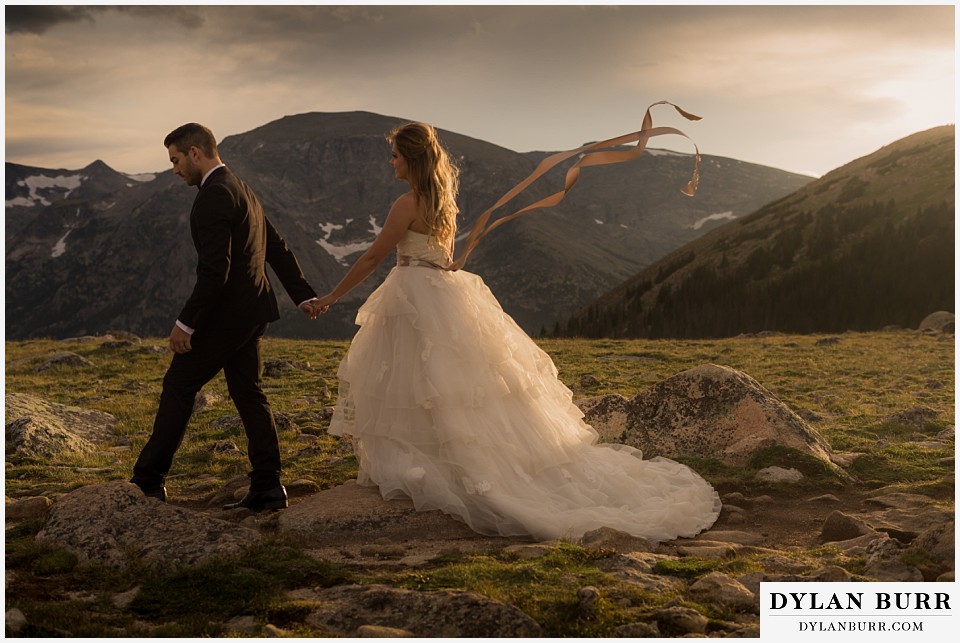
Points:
x=38 y=19
x=34 y=19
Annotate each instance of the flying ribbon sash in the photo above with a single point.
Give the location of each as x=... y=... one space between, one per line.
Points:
x=588 y=158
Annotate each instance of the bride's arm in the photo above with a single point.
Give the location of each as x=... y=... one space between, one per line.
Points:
x=402 y=214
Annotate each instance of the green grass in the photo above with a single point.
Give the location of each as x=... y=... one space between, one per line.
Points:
x=852 y=385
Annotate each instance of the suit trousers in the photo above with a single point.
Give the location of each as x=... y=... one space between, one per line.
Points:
x=237 y=353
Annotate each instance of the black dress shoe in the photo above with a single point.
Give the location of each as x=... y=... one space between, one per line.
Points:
x=273 y=499
x=160 y=493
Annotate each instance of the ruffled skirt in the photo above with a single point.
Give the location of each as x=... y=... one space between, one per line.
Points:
x=453 y=406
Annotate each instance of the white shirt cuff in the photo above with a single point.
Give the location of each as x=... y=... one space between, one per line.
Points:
x=184 y=327
x=306 y=300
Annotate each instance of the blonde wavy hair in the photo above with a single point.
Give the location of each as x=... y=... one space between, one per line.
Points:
x=433 y=176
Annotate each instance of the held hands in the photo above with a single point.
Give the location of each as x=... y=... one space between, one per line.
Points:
x=317 y=306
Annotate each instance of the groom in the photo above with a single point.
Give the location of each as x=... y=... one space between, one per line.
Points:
x=223 y=321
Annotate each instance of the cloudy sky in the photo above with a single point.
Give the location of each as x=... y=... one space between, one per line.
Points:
x=805 y=88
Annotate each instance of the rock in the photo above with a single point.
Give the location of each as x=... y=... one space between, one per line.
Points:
x=118 y=343
x=607 y=414
x=638 y=631
x=587 y=598
x=831 y=574
x=637 y=569
x=344 y=609
x=779 y=474
x=123 y=600
x=14 y=620
x=718 y=588
x=941 y=321
x=589 y=381
x=618 y=541
x=745 y=632
x=272 y=631
x=109 y=522
x=85 y=339
x=36 y=428
x=884 y=562
x=948 y=434
x=858 y=546
x=382 y=632
x=841 y=526
x=337 y=515
x=934 y=550
x=710 y=411
x=717 y=551
x=206 y=400
x=27 y=508
x=125 y=335
x=844 y=459
x=30 y=438
x=302 y=487
x=827 y=498
x=827 y=341
x=243 y=625
x=64 y=360
x=275 y=367
x=678 y=621
x=227 y=447
x=915 y=418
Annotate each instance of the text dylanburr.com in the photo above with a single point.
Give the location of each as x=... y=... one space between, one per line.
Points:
x=848 y=611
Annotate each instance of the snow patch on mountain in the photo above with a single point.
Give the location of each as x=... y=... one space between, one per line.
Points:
x=341 y=252
x=714 y=217
x=46 y=183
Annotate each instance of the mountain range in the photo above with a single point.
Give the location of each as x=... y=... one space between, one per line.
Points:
x=868 y=245
x=95 y=249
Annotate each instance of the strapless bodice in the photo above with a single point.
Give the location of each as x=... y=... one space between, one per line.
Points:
x=420 y=247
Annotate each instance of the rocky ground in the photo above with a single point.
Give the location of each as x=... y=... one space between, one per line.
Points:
x=808 y=518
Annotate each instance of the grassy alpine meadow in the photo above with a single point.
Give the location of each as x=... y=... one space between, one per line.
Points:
x=851 y=381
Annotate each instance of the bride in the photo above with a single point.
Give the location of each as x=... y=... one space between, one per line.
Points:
x=452 y=405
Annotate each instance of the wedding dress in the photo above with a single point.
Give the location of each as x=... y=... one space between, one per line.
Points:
x=452 y=405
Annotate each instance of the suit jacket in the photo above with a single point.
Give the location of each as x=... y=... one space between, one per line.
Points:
x=234 y=242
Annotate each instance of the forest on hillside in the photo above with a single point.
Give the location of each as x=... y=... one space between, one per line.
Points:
x=830 y=270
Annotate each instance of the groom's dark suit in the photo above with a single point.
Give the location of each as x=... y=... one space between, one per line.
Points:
x=229 y=309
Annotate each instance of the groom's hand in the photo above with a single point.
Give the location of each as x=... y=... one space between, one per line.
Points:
x=179 y=340
x=309 y=308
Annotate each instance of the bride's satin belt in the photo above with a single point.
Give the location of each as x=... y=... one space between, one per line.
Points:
x=405 y=260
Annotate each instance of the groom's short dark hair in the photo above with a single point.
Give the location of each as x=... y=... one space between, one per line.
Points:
x=193 y=135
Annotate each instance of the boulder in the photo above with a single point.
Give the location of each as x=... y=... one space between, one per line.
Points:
x=109 y=523
x=915 y=418
x=710 y=411
x=339 y=514
x=64 y=360
x=27 y=508
x=344 y=609
x=40 y=429
x=719 y=589
x=779 y=474
x=840 y=526
x=618 y=541
x=940 y=321
x=32 y=438
x=680 y=621
x=934 y=549
x=884 y=562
